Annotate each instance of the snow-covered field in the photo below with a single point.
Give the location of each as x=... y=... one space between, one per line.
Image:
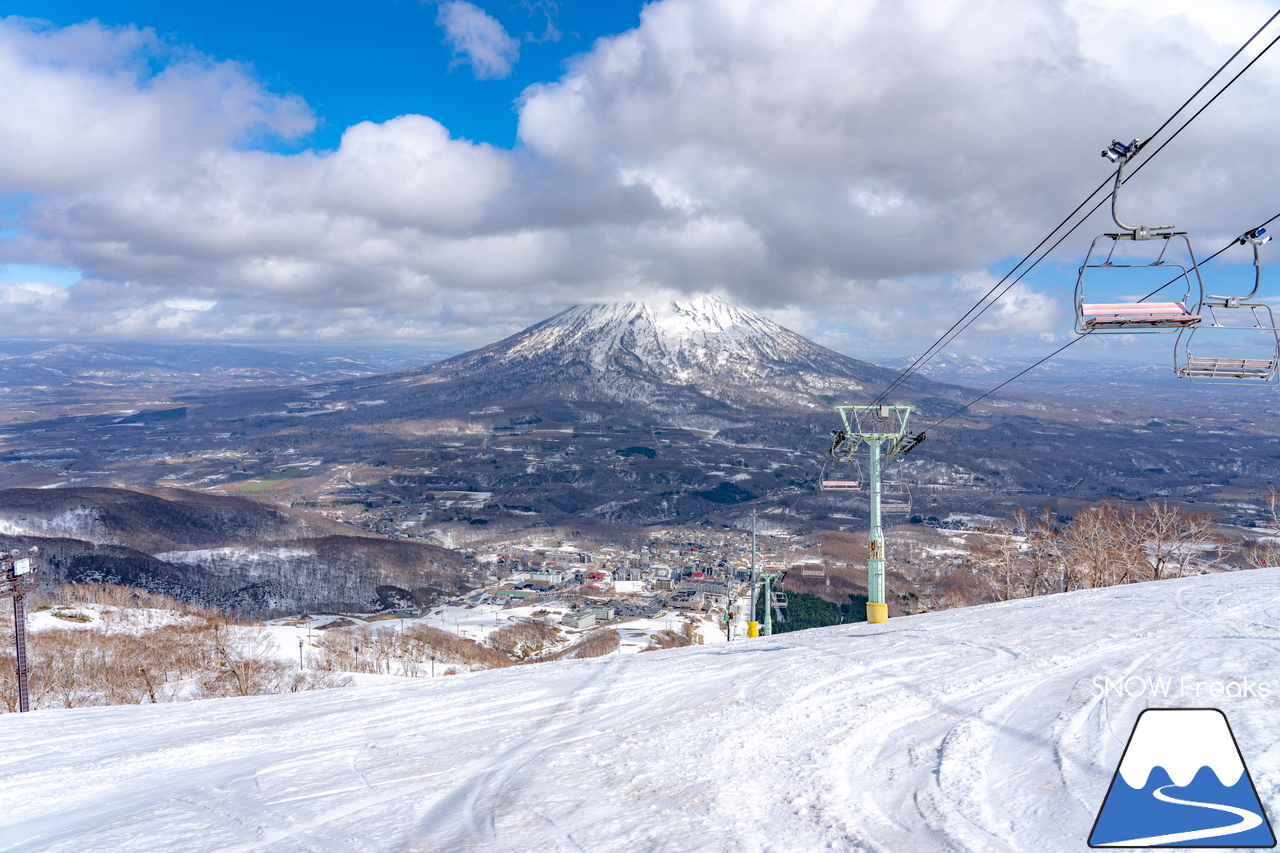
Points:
x=478 y=622
x=970 y=730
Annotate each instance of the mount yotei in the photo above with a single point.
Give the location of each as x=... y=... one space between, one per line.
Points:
x=702 y=355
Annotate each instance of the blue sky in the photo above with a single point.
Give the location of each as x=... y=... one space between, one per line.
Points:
x=368 y=60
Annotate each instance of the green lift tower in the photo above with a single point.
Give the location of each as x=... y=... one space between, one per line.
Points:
x=878 y=427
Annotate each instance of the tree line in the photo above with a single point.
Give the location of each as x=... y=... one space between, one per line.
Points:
x=147 y=648
x=1106 y=544
x=123 y=645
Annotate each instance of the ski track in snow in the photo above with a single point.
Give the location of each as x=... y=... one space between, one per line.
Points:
x=970 y=730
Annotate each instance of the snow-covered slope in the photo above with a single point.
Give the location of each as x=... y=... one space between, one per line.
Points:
x=975 y=730
x=674 y=355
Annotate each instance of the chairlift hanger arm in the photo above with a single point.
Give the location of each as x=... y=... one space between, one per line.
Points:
x=1254 y=239
x=1120 y=153
x=915 y=442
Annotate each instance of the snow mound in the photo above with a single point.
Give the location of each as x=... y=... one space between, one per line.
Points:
x=995 y=728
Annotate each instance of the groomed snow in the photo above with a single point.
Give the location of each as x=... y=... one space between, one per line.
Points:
x=971 y=730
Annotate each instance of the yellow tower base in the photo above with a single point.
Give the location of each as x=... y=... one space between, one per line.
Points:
x=753 y=629
x=877 y=612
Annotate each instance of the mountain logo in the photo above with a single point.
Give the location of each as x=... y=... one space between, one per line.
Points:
x=1182 y=782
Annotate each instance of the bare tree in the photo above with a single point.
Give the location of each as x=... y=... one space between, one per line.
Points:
x=1044 y=549
x=996 y=555
x=1176 y=541
x=1265 y=552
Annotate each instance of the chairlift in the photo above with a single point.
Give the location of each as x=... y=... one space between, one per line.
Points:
x=895 y=496
x=1140 y=315
x=1240 y=317
x=896 y=503
x=837 y=482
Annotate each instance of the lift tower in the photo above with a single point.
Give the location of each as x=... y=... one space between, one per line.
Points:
x=770 y=576
x=877 y=426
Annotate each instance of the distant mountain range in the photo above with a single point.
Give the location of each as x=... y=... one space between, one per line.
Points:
x=638 y=413
x=959 y=367
x=200 y=365
x=703 y=356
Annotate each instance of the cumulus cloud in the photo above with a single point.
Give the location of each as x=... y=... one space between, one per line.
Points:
x=478 y=38
x=83 y=107
x=857 y=169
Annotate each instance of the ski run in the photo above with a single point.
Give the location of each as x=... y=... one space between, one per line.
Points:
x=986 y=729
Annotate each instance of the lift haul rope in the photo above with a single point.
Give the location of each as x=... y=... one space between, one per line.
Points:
x=981 y=306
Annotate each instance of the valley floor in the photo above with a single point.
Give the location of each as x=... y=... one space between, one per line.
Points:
x=980 y=729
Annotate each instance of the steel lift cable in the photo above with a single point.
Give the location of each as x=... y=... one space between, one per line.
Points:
x=981 y=308
x=950 y=337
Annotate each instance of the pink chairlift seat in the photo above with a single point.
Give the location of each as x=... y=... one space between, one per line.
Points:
x=1151 y=314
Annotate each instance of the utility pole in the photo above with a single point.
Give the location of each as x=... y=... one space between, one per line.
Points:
x=753 y=627
x=877 y=426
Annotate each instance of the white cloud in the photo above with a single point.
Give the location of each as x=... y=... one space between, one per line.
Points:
x=83 y=107
x=848 y=166
x=479 y=39
x=190 y=304
x=31 y=293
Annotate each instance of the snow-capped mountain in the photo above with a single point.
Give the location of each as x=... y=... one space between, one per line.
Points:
x=1182 y=743
x=675 y=355
x=675 y=341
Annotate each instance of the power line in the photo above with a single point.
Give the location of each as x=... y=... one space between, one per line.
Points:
x=969 y=316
